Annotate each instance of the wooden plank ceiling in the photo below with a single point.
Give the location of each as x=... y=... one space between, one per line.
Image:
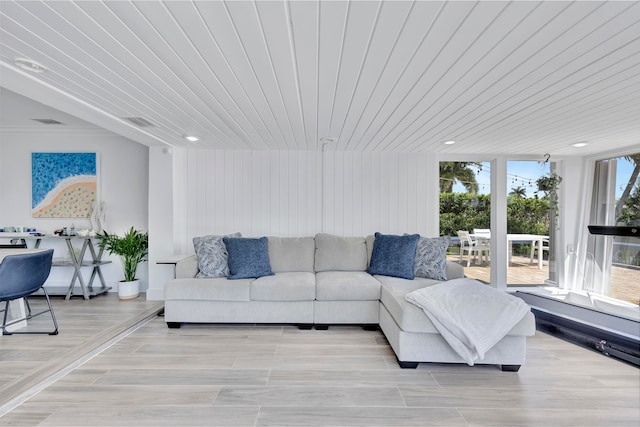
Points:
x=497 y=77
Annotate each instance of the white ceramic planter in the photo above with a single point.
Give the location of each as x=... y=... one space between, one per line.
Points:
x=129 y=290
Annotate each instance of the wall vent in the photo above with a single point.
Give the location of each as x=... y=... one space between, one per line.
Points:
x=140 y=121
x=48 y=121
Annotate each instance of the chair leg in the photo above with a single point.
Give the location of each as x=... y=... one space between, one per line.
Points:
x=29 y=316
x=4 y=319
x=53 y=316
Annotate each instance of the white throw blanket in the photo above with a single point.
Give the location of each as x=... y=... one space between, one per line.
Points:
x=471 y=316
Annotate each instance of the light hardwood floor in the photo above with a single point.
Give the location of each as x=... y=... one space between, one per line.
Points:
x=247 y=375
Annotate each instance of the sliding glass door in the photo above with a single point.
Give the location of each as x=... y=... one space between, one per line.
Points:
x=612 y=265
x=531 y=223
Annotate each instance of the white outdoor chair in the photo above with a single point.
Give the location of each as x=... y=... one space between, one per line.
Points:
x=534 y=248
x=472 y=247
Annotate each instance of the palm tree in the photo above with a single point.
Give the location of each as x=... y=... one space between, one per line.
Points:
x=450 y=172
x=630 y=212
x=519 y=192
x=635 y=158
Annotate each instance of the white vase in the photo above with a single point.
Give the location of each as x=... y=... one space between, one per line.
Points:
x=94 y=218
x=129 y=290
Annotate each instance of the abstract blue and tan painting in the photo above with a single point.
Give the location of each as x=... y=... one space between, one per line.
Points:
x=63 y=185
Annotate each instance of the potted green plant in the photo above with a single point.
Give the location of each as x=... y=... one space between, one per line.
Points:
x=550 y=184
x=132 y=248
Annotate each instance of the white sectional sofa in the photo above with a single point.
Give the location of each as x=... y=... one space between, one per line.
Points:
x=321 y=281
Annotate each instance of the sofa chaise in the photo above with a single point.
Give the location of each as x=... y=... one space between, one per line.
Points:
x=321 y=281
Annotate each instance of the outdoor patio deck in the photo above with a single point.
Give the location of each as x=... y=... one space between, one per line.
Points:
x=625 y=279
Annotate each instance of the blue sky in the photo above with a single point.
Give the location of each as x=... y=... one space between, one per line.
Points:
x=525 y=173
x=624 y=173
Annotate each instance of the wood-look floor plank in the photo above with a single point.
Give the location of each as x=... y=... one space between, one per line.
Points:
x=361 y=416
x=126 y=416
x=519 y=416
x=310 y=396
x=124 y=395
x=320 y=378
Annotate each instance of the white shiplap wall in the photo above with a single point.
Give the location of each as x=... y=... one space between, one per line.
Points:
x=386 y=192
x=300 y=193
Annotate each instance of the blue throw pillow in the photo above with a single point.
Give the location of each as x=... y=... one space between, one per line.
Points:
x=247 y=258
x=393 y=255
x=431 y=258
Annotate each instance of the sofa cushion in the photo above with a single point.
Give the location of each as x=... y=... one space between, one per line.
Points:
x=248 y=257
x=212 y=255
x=216 y=289
x=394 y=255
x=454 y=271
x=346 y=286
x=291 y=253
x=430 y=260
x=287 y=286
x=187 y=267
x=337 y=253
x=408 y=317
x=369 y=240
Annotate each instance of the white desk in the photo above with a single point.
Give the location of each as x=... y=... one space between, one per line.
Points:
x=77 y=262
x=13 y=237
x=535 y=239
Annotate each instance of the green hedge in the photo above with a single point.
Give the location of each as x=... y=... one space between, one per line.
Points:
x=464 y=211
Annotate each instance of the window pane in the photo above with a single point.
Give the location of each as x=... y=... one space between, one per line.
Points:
x=612 y=264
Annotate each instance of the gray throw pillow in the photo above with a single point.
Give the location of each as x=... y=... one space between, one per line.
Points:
x=431 y=258
x=212 y=256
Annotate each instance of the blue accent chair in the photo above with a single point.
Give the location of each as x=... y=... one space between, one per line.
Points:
x=21 y=275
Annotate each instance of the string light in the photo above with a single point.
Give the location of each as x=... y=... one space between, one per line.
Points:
x=522 y=181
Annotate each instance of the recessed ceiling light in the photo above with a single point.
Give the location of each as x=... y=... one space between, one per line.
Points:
x=449 y=142
x=191 y=138
x=29 y=65
x=579 y=144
